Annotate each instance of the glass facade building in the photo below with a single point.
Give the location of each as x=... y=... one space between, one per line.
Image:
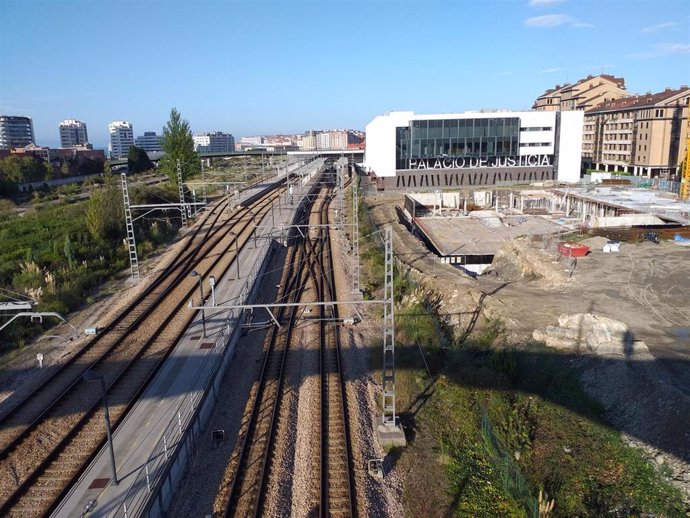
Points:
x=455 y=138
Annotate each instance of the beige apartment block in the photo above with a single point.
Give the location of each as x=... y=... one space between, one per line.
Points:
x=642 y=135
x=583 y=95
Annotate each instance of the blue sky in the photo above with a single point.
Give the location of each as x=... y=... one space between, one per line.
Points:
x=270 y=66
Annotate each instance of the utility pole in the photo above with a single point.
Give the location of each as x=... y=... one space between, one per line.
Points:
x=355 y=233
x=183 y=208
x=129 y=223
x=203 y=180
x=390 y=433
x=341 y=196
x=388 y=400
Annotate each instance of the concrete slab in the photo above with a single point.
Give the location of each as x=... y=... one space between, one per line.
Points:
x=662 y=204
x=391 y=436
x=482 y=235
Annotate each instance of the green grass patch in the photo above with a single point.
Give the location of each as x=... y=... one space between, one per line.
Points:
x=49 y=255
x=504 y=425
x=514 y=422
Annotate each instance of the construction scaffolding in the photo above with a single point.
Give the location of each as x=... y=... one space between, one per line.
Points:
x=685 y=175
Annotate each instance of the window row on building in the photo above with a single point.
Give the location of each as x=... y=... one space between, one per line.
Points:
x=641 y=135
x=402 y=144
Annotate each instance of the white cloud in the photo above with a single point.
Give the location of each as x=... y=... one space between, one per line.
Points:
x=556 y=20
x=659 y=27
x=548 y=20
x=543 y=3
x=662 y=49
x=550 y=70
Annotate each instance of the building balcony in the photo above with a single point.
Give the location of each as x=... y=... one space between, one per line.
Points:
x=615 y=162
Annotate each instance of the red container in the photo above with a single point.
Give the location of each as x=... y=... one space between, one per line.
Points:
x=568 y=249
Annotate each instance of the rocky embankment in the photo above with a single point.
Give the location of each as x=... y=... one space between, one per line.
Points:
x=633 y=387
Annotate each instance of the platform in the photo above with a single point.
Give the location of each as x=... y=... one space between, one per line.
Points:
x=183 y=376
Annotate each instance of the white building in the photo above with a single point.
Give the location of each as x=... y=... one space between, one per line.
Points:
x=214 y=142
x=149 y=142
x=473 y=148
x=323 y=140
x=254 y=141
x=73 y=133
x=121 y=139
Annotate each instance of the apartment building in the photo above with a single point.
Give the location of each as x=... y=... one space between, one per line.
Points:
x=642 y=135
x=73 y=133
x=323 y=140
x=121 y=139
x=583 y=95
x=149 y=142
x=341 y=139
x=309 y=141
x=16 y=131
x=214 y=142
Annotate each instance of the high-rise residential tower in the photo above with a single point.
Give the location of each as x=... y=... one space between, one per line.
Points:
x=16 y=131
x=121 y=138
x=73 y=133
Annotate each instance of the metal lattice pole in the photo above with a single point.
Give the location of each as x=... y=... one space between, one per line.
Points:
x=131 y=242
x=355 y=233
x=341 y=197
x=183 y=208
x=203 y=180
x=389 y=417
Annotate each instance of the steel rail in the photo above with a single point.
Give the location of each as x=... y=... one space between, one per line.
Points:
x=178 y=263
x=26 y=484
x=292 y=287
x=175 y=272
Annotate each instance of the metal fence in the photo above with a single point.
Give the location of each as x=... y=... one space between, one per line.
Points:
x=656 y=184
x=152 y=491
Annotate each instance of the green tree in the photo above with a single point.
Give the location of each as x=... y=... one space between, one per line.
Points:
x=50 y=171
x=137 y=160
x=69 y=251
x=105 y=217
x=107 y=171
x=90 y=166
x=22 y=169
x=178 y=144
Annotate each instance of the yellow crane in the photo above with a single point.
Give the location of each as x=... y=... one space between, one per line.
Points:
x=685 y=175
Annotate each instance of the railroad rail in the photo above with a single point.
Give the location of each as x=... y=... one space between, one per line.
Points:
x=243 y=489
x=336 y=475
x=52 y=438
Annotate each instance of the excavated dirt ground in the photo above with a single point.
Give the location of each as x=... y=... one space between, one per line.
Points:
x=646 y=286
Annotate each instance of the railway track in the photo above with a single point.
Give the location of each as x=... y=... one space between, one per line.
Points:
x=243 y=490
x=336 y=499
x=59 y=435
